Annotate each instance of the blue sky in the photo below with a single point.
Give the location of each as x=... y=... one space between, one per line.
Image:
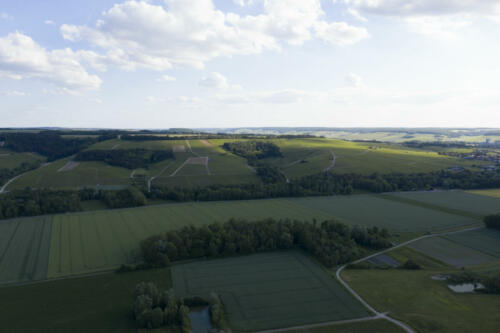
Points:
x=214 y=63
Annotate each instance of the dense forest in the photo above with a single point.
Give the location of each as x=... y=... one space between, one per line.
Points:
x=47 y=143
x=330 y=242
x=126 y=158
x=155 y=309
x=253 y=150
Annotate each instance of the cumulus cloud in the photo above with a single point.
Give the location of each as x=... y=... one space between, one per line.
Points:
x=426 y=7
x=431 y=17
x=49 y=22
x=191 y=32
x=353 y=80
x=214 y=80
x=166 y=78
x=22 y=58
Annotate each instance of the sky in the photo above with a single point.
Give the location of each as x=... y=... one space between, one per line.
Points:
x=240 y=63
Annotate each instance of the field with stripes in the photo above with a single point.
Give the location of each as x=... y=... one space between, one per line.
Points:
x=271 y=290
x=79 y=243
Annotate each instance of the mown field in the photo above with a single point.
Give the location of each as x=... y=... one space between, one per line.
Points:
x=92 y=241
x=425 y=304
x=271 y=290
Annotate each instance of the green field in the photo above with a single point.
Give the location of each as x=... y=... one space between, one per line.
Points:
x=24 y=249
x=98 y=304
x=271 y=290
x=454 y=200
x=372 y=326
x=491 y=192
x=92 y=241
x=483 y=240
x=11 y=160
x=451 y=252
x=426 y=305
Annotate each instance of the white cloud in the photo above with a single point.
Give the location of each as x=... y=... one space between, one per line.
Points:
x=22 y=58
x=426 y=7
x=354 y=80
x=354 y=13
x=166 y=78
x=13 y=93
x=214 y=80
x=191 y=32
x=442 y=19
x=49 y=22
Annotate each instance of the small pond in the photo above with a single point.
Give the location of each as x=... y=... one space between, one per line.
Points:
x=200 y=319
x=466 y=287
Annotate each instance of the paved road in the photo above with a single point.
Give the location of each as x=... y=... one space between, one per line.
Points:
x=377 y=315
x=364 y=302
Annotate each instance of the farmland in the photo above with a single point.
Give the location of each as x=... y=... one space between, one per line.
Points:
x=490 y=192
x=24 y=249
x=455 y=200
x=451 y=252
x=300 y=157
x=426 y=305
x=11 y=160
x=272 y=290
x=101 y=240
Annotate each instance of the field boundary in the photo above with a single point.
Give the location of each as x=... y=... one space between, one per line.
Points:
x=363 y=301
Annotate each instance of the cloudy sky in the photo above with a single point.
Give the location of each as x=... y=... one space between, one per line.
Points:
x=230 y=63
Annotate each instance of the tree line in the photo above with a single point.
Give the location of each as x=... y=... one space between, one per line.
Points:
x=155 y=309
x=29 y=202
x=326 y=183
x=46 y=143
x=331 y=242
x=126 y=158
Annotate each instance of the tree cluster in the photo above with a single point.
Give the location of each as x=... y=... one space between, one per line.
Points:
x=492 y=221
x=330 y=242
x=47 y=143
x=155 y=309
x=270 y=174
x=253 y=150
x=126 y=158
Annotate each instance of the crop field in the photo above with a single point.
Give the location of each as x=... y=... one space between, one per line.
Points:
x=452 y=252
x=24 y=249
x=456 y=200
x=11 y=160
x=372 y=210
x=311 y=155
x=483 y=240
x=85 y=174
x=101 y=240
x=271 y=290
x=495 y=192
